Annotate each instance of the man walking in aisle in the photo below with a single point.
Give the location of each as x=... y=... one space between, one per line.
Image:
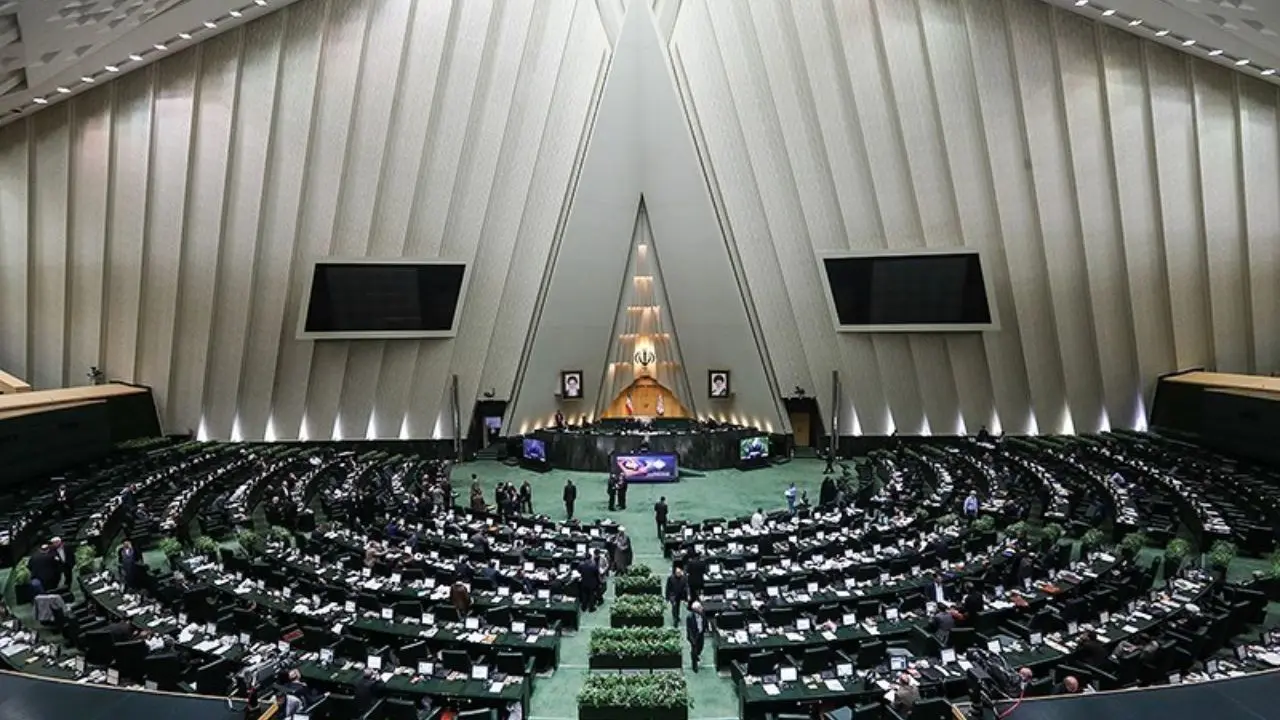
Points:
x=570 y=496
x=677 y=591
x=660 y=516
x=696 y=632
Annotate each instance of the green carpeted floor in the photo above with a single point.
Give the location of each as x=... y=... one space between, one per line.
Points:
x=720 y=493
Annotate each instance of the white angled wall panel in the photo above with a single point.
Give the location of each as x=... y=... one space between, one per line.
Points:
x=160 y=225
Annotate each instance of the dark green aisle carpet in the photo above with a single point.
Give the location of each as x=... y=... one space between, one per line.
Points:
x=720 y=493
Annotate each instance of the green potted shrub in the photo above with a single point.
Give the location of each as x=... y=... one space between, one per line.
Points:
x=22 y=589
x=281 y=534
x=1093 y=539
x=1271 y=577
x=983 y=524
x=1174 y=554
x=653 y=696
x=250 y=541
x=1221 y=553
x=171 y=547
x=948 y=520
x=205 y=545
x=635 y=648
x=1133 y=543
x=86 y=559
x=638 y=571
x=638 y=611
x=1018 y=530
x=638 y=585
x=1052 y=532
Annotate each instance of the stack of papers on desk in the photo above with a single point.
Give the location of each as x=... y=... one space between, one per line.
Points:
x=14 y=649
x=795 y=637
x=834 y=686
x=771 y=689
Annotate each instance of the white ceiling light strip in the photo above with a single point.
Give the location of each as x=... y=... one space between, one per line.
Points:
x=149 y=55
x=1186 y=43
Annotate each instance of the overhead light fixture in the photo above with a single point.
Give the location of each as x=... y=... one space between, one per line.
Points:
x=260 y=3
x=1162 y=33
x=112 y=68
x=1135 y=22
x=1108 y=12
x=1269 y=71
x=135 y=57
x=1242 y=62
x=63 y=90
x=40 y=101
x=1081 y=3
x=86 y=79
x=185 y=36
x=235 y=13
x=1188 y=43
x=210 y=24
x=160 y=46
x=1215 y=53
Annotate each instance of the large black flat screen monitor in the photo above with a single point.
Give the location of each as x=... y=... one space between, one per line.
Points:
x=362 y=299
x=926 y=292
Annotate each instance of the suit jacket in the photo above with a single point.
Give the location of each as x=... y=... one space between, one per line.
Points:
x=570 y=493
x=364 y=693
x=45 y=568
x=677 y=588
x=696 y=570
x=660 y=512
x=695 y=628
x=590 y=573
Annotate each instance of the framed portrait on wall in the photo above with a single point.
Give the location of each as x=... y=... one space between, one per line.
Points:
x=718 y=383
x=571 y=384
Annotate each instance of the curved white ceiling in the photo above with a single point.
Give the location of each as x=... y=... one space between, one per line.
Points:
x=52 y=49
x=1242 y=34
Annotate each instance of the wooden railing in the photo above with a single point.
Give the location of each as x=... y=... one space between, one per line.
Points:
x=11 y=384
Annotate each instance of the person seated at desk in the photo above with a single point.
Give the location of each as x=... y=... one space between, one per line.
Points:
x=1069 y=686
x=364 y=694
x=1090 y=649
x=905 y=695
x=490 y=571
x=757 y=519
x=297 y=693
x=1140 y=648
x=936 y=591
x=974 y=605
x=942 y=623
x=120 y=631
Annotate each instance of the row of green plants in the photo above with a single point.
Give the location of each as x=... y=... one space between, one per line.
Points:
x=637 y=571
x=637 y=611
x=1048 y=532
x=635 y=647
x=638 y=585
x=652 y=696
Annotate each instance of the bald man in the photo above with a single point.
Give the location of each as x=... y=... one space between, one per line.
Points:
x=1069 y=686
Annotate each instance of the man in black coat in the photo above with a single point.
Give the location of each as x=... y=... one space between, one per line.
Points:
x=65 y=502
x=588 y=584
x=622 y=493
x=677 y=591
x=364 y=694
x=570 y=496
x=660 y=515
x=612 y=489
x=696 y=631
x=827 y=494
x=44 y=567
x=697 y=569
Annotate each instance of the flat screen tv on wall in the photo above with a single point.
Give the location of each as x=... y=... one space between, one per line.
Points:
x=929 y=291
x=355 y=299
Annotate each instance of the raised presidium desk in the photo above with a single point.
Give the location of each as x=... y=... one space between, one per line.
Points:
x=700 y=446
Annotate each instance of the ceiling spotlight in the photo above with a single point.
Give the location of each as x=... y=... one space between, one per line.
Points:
x=1108 y=13
x=160 y=46
x=260 y=3
x=1188 y=43
x=1162 y=33
x=185 y=36
x=112 y=68
x=235 y=13
x=1135 y=23
x=86 y=78
x=1269 y=71
x=1081 y=3
x=63 y=90
x=1242 y=62
x=135 y=57
x=210 y=24
x=40 y=101
x=1215 y=53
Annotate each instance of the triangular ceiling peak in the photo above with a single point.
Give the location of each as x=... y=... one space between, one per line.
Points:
x=641 y=147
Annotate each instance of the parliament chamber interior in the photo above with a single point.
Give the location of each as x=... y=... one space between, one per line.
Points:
x=639 y=360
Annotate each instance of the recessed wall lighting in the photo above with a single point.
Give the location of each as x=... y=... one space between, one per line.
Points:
x=1081 y=3
x=135 y=57
x=112 y=68
x=210 y=24
x=86 y=78
x=1188 y=43
x=235 y=13
x=260 y=3
x=1162 y=33
x=1269 y=71
x=185 y=36
x=1108 y=13
x=40 y=101
x=161 y=47
x=1135 y=23
x=63 y=90
x=1215 y=53
x=1242 y=62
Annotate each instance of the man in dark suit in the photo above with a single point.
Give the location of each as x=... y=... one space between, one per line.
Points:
x=696 y=631
x=66 y=560
x=128 y=558
x=612 y=490
x=588 y=584
x=660 y=515
x=365 y=691
x=570 y=496
x=45 y=568
x=697 y=569
x=64 y=500
x=622 y=493
x=677 y=591
x=1090 y=649
x=941 y=625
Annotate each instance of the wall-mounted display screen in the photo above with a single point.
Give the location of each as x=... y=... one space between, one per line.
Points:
x=383 y=299
x=922 y=292
x=753 y=448
x=647 y=467
x=534 y=450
